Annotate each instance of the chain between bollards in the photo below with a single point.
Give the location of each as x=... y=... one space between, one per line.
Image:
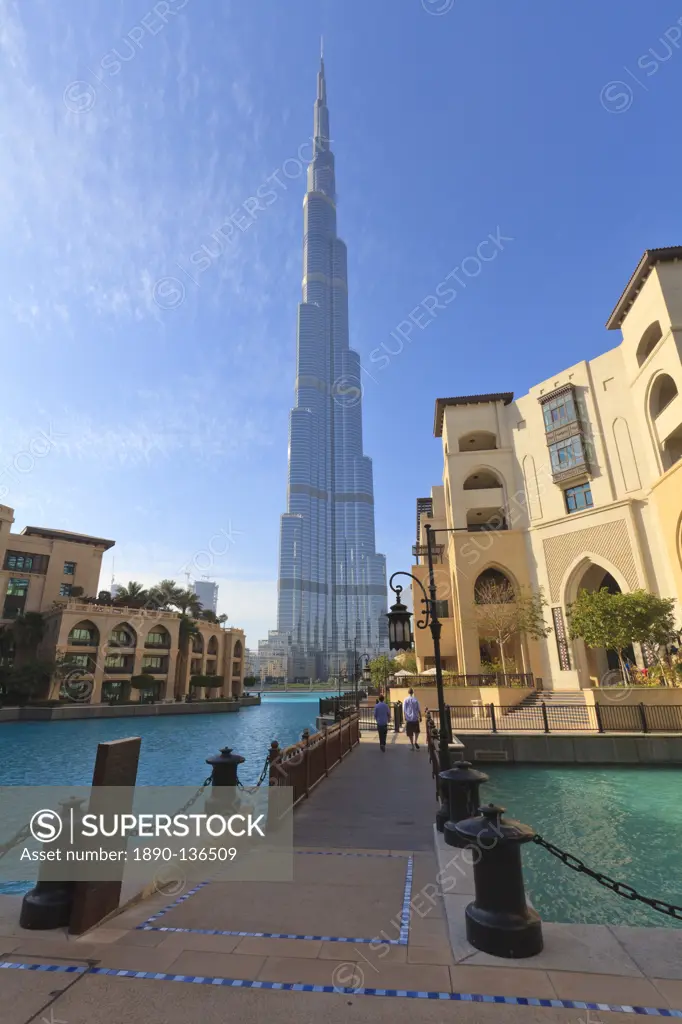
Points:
x=620 y=888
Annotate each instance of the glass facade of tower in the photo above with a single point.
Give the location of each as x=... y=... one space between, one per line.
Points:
x=332 y=582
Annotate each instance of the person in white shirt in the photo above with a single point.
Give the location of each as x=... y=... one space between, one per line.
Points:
x=413 y=716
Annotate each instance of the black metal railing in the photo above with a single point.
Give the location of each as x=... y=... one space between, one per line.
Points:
x=482 y=679
x=550 y=717
x=331 y=705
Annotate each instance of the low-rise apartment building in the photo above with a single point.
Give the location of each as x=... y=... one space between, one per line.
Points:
x=106 y=645
x=576 y=485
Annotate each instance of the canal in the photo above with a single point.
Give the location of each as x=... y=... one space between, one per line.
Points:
x=174 y=748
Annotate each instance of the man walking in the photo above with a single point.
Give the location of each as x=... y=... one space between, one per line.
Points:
x=413 y=716
x=382 y=716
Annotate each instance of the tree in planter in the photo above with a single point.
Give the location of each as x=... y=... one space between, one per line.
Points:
x=602 y=619
x=205 y=682
x=144 y=681
x=615 y=621
x=27 y=681
x=28 y=630
x=381 y=668
x=653 y=626
x=501 y=614
x=405 y=660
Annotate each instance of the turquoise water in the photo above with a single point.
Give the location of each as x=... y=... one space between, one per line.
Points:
x=625 y=822
x=173 y=753
x=174 y=749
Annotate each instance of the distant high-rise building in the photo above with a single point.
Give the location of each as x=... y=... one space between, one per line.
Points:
x=332 y=582
x=207 y=592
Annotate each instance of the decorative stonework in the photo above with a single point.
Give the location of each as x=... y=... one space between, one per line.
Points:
x=610 y=540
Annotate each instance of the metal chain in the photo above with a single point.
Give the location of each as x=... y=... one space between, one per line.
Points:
x=620 y=888
x=266 y=768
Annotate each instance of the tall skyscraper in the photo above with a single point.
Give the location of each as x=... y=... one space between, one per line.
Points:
x=332 y=582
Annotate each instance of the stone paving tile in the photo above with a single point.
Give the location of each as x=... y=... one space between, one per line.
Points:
x=289 y=909
x=281 y=947
x=138 y=938
x=577 y=947
x=671 y=990
x=428 y=931
x=340 y=872
x=101 y=936
x=341 y=951
x=502 y=981
x=24 y=995
x=217 y=965
x=375 y=974
x=429 y=954
x=656 y=951
x=60 y=950
x=101 y=1000
x=180 y=941
x=604 y=988
x=135 y=958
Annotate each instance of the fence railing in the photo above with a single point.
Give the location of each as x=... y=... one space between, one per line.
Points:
x=304 y=764
x=482 y=679
x=548 y=718
x=330 y=705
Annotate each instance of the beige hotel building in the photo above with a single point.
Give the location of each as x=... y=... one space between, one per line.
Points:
x=575 y=485
x=39 y=568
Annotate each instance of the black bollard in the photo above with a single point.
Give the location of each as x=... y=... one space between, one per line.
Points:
x=48 y=905
x=499 y=921
x=461 y=784
x=225 y=765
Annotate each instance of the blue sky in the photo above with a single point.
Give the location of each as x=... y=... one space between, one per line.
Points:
x=148 y=406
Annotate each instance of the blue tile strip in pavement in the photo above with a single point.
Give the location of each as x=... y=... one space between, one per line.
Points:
x=150 y=926
x=397 y=993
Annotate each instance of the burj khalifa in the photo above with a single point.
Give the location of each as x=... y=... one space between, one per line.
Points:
x=332 y=582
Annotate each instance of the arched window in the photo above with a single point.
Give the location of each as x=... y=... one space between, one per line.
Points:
x=477 y=441
x=212 y=645
x=198 y=643
x=123 y=636
x=158 y=636
x=662 y=394
x=493 y=587
x=84 y=634
x=238 y=649
x=649 y=341
x=482 y=479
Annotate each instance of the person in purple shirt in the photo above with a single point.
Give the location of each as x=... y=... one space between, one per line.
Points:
x=382 y=716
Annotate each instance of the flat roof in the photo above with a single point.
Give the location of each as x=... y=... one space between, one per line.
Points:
x=503 y=396
x=648 y=261
x=73 y=538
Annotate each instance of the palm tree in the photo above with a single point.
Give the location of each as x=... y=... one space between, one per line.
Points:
x=133 y=592
x=187 y=603
x=188 y=630
x=164 y=593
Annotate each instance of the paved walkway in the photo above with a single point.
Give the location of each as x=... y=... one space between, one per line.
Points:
x=360 y=934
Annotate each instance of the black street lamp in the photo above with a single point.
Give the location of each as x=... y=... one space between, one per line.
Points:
x=400 y=639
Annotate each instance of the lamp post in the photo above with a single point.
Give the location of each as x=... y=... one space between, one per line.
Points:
x=400 y=639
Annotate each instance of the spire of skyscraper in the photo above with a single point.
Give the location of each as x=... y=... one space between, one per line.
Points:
x=332 y=582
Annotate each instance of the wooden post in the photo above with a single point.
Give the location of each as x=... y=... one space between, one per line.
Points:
x=326 y=757
x=305 y=739
x=115 y=765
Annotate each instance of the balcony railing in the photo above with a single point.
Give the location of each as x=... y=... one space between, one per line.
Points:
x=421 y=551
